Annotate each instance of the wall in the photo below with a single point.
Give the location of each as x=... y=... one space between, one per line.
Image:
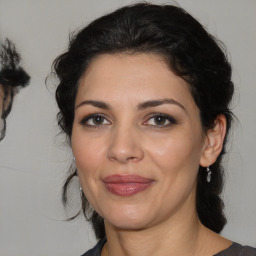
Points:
x=33 y=158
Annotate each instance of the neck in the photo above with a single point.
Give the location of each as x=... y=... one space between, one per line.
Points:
x=198 y=241
x=178 y=235
x=150 y=242
x=182 y=234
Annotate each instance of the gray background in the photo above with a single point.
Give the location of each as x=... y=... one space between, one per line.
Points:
x=34 y=160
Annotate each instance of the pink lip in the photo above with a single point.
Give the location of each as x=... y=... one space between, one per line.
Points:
x=126 y=185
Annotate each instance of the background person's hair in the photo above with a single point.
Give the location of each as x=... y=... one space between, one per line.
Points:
x=12 y=78
x=189 y=51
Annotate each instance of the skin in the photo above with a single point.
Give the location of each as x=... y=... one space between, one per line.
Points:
x=1 y=99
x=1 y=111
x=5 y=105
x=129 y=139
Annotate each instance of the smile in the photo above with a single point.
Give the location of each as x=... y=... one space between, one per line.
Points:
x=126 y=185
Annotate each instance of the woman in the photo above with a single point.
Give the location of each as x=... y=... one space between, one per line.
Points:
x=144 y=99
x=12 y=77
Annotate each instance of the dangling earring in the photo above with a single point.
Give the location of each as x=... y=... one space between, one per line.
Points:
x=73 y=166
x=209 y=174
x=81 y=192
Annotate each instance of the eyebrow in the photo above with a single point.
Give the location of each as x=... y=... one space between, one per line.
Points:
x=141 y=106
x=95 y=103
x=155 y=103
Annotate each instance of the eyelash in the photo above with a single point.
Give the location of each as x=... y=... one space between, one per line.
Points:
x=170 y=119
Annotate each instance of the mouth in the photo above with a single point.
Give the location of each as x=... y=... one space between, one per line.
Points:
x=126 y=185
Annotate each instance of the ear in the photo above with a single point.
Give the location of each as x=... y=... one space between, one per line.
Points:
x=214 y=141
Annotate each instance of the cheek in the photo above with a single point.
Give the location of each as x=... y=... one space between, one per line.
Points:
x=176 y=153
x=89 y=153
x=176 y=160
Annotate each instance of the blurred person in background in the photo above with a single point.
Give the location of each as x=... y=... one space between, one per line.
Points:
x=12 y=78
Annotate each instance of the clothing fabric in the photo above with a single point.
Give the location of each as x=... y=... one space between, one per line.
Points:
x=238 y=250
x=234 y=250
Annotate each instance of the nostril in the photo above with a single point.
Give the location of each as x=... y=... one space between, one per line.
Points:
x=125 y=156
x=124 y=147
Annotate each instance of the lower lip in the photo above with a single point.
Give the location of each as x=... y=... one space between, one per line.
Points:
x=127 y=189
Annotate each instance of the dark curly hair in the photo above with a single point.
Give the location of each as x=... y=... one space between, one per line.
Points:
x=190 y=52
x=12 y=78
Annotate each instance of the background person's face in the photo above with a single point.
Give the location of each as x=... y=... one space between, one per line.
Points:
x=5 y=104
x=135 y=117
x=1 y=99
x=2 y=124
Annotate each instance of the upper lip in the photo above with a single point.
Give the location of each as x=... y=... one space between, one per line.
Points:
x=117 y=178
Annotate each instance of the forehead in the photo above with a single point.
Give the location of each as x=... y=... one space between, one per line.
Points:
x=139 y=75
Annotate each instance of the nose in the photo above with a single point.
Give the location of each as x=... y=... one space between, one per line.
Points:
x=125 y=146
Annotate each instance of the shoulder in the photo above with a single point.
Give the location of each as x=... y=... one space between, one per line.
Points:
x=238 y=250
x=96 y=250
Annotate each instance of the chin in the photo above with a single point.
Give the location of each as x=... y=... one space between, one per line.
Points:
x=128 y=225
x=128 y=219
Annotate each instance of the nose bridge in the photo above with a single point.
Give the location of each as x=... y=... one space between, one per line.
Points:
x=125 y=144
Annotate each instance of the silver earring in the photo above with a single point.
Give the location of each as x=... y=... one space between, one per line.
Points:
x=209 y=174
x=73 y=166
x=73 y=163
x=81 y=192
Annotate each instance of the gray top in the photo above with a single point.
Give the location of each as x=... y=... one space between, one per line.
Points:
x=238 y=250
x=234 y=250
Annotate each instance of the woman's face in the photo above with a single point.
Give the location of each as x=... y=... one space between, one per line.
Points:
x=137 y=140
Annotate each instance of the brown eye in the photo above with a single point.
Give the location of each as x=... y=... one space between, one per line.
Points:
x=160 y=120
x=95 y=120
